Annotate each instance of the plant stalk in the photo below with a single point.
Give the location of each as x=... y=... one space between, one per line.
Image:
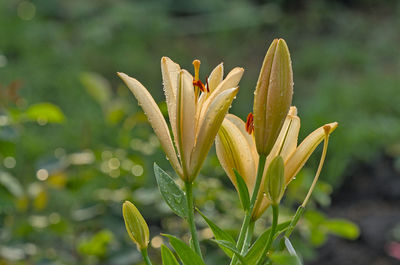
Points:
x=192 y=225
x=247 y=218
x=249 y=236
x=275 y=215
x=146 y=256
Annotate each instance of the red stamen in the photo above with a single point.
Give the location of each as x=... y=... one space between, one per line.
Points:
x=200 y=85
x=250 y=123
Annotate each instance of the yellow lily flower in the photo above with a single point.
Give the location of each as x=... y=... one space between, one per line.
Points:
x=236 y=149
x=195 y=111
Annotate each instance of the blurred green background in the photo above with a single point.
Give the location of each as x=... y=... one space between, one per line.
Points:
x=74 y=144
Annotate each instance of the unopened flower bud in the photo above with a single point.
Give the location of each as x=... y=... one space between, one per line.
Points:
x=275 y=180
x=273 y=95
x=135 y=225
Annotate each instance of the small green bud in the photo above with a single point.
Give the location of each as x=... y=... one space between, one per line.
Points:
x=135 y=225
x=275 y=180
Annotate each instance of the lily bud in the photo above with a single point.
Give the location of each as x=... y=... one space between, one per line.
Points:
x=275 y=180
x=273 y=95
x=135 y=225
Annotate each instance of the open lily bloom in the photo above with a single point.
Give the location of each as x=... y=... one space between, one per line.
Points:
x=195 y=112
x=236 y=149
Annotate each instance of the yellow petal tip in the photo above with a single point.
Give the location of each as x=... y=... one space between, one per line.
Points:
x=329 y=128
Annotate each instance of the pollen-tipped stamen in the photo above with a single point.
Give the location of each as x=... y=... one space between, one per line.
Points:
x=198 y=85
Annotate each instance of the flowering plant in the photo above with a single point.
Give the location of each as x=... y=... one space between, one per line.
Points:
x=260 y=156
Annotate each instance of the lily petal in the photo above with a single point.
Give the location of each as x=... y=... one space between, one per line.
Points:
x=216 y=77
x=185 y=122
x=209 y=128
x=170 y=74
x=297 y=160
x=234 y=152
x=155 y=118
x=241 y=125
x=286 y=142
x=232 y=80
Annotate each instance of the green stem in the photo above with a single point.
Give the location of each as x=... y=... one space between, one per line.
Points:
x=247 y=218
x=249 y=236
x=275 y=214
x=146 y=256
x=294 y=221
x=192 y=226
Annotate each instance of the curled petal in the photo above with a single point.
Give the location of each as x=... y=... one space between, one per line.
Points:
x=155 y=118
x=234 y=152
x=208 y=129
x=299 y=157
x=249 y=138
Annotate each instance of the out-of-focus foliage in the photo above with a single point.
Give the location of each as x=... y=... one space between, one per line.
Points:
x=74 y=145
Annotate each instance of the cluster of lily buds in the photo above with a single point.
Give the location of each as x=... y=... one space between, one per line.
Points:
x=275 y=134
x=195 y=112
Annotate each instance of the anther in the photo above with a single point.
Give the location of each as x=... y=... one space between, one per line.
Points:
x=250 y=123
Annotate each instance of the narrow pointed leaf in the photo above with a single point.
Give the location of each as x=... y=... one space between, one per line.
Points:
x=185 y=253
x=167 y=256
x=231 y=246
x=219 y=234
x=291 y=250
x=243 y=191
x=284 y=259
x=171 y=193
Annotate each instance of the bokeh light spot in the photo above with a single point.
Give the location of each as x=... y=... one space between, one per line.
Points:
x=9 y=162
x=26 y=10
x=156 y=242
x=42 y=174
x=137 y=170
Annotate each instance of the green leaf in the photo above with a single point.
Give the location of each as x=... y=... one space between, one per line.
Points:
x=243 y=191
x=219 y=234
x=291 y=250
x=167 y=256
x=231 y=246
x=46 y=112
x=97 y=86
x=11 y=184
x=284 y=259
x=185 y=253
x=342 y=228
x=255 y=252
x=171 y=193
